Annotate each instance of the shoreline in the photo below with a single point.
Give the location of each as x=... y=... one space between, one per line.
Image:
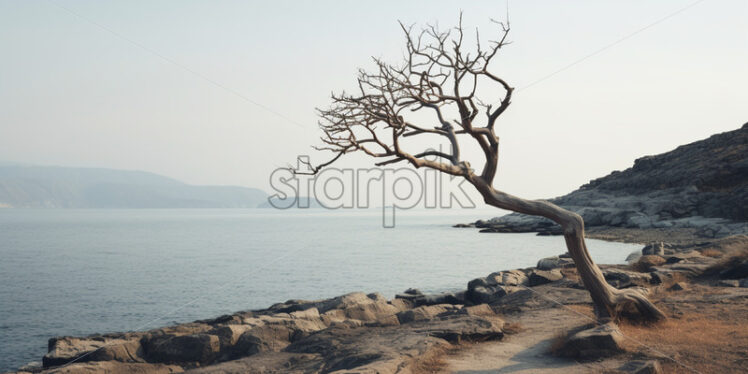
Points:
x=235 y=342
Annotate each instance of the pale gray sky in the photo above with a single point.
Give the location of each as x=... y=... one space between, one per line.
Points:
x=151 y=85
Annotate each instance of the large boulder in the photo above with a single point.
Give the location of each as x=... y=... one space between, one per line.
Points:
x=63 y=350
x=370 y=312
x=601 y=341
x=423 y=313
x=619 y=278
x=538 y=277
x=514 y=278
x=554 y=262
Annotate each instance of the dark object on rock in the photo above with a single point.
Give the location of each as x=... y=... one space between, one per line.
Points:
x=679 y=286
x=601 y=341
x=641 y=367
x=538 y=277
x=657 y=249
x=481 y=224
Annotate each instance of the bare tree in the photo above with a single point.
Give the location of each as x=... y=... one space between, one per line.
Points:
x=440 y=78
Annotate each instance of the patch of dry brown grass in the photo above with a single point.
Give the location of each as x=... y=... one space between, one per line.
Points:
x=584 y=309
x=558 y=342
x=435 y=360
x=711 y=252
x=701 y=342
x=733 y=255
x=511 y=328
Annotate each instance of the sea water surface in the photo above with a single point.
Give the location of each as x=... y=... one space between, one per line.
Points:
x=78 y=272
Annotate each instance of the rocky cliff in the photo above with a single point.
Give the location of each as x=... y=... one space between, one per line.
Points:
x=702 y=186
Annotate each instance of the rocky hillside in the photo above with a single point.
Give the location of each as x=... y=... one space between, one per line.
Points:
x=702 y=185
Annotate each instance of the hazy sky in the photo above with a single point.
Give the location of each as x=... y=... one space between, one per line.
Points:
x=155 y=85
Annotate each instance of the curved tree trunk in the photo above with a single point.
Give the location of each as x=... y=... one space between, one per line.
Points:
x=608 y=301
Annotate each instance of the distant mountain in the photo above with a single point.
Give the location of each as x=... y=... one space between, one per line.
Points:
x=24 y=186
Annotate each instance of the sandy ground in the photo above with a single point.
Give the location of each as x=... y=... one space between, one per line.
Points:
x=527 y=350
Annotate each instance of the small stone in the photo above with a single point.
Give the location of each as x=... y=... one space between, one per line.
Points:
x=680 y=286
x=641 y=367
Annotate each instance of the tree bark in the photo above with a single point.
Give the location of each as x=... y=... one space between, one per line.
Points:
x=609 y=302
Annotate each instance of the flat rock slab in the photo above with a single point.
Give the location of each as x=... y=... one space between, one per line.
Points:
x=592 y=343
x=541 y=297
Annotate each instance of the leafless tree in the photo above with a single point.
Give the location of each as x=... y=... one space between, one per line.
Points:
x=439 y=77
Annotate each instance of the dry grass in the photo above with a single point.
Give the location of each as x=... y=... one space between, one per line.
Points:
x=558 y=342
x=697 y=341
x=708 y=336
x=711 y=252
x=584 y=309
x=435 y=360
x=732 y=257
x=512 y=328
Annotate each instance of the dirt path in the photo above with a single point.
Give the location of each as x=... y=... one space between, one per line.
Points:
x=527 y=350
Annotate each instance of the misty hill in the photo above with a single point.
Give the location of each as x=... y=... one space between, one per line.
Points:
x=24 y=186
x=702 y=185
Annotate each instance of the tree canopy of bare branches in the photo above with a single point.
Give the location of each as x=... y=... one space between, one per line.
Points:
x=440 y=76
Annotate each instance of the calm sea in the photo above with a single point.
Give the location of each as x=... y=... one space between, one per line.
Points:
x=77 y=272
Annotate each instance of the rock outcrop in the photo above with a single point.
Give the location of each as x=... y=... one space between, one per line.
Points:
x=351 y=332
x=701 y=186
x=360 y=332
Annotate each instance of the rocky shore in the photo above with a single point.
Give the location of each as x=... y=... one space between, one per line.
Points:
x=412 y=333
x=689 y=205
x=699 y=188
